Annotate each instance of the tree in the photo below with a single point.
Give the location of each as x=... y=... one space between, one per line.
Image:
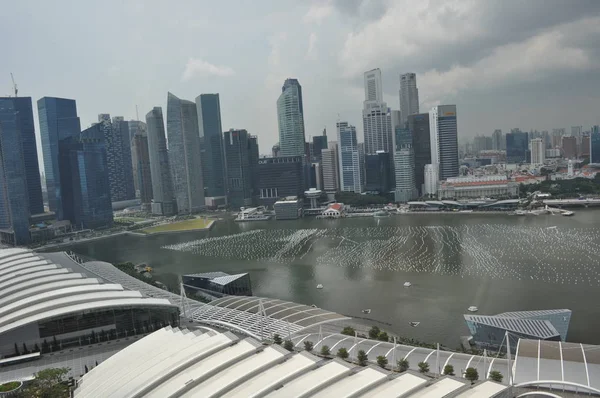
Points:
x=382 y=361
x=85 y=368
x=45 y=346
x=288 y=345
x=325 y=351
x=17 y=352
x=277 y=339
x=362 y=358
x=48 y=383
x=374 y=332
x=348 y=331
x=496 y=376
x=308 y=346
x=403 y=365
x=36 y=348
x=342 y=353
x=423 y=367
x=471 y=374
x=383 y=336
x=25 y=350
x=449 y=370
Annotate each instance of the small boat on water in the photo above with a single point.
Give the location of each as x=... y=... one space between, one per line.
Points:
x=366 y=311
x=520 y=213
x=314 y=306
x=473 y=309
x=568 y=213
x=414 y=324
x=407 y=284
x=319 y=286
x=381 y=214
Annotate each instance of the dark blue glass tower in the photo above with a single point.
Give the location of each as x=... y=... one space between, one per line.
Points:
x=213 y=162
x=595 y=146
x=516 y=147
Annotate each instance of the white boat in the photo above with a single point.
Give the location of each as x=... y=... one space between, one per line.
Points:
x=567 y=213
x=407 y=284
x=465 y=211
x=473 y=309
x=520 y=213
x=366 y=311
x=319 y=286
x=414 y=324
x=314 y=306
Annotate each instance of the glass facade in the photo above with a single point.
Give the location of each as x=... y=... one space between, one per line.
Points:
x=595 y=146
x=405 y=166
x=418 y=125
x=160 y=170
x=290 y=116
x=118 y=155
x=240 y=170
x=319 y=143
x=141 y=166
x=279 y=177
x=516 y=147
x=209 y=124
x=234 y=285
x=378 y=172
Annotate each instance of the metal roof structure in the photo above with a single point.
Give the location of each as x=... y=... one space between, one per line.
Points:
x=529 y=314
x=173 y=362
x=261 y=317
x=218 y=277
x=528 y=327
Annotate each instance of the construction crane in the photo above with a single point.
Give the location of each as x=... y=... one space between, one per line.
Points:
x=14 y=84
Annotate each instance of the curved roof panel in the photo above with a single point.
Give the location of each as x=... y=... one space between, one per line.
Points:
x=39 y=288
x=34 y=261
x=25 y=258
x=63 y=276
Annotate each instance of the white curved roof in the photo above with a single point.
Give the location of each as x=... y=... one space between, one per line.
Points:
x=25 y=263
x=63 y=276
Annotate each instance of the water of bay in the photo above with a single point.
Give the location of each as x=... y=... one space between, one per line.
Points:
x=496 y=262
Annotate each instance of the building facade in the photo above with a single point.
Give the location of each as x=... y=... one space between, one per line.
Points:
x=351 y=174
x=319 y=142
x=240 y=178
x=493 y=186
x=409 y=97
x=378 y=172
x=405 y=166
x=498 y=140
x=218 y=284
x=595 y=145
x=290 y=117
x=444 y=140
x=163 y=198
x=213 y=163
x=330 y=165
x=142 y=172
x=377 y=119
x=538 y=151
x=135 y=127
x=430 y=187
x=184 y=154
x=569 y=147
x=516 y=146
x=279 y=177
x=418 y=126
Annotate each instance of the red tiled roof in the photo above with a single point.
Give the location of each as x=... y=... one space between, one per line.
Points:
x=336 y=206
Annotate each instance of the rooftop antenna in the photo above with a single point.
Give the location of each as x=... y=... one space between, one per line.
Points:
x=137 y=116
x=14 y=85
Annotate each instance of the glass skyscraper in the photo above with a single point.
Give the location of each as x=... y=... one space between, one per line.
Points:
x=239 y=155
x=409 y=96
x=351 y=173
x=418 y=126
x=163 y=201
x=290 y=117
x=404 y=161
x=516 y=147
x=595 y=145
x=443 y=130
x=58 y=120
x=118 y=152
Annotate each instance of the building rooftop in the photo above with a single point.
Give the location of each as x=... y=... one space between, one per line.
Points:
x=529 y=327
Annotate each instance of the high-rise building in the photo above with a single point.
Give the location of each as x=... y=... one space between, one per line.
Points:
x=184 y=154
x=405 y=166
x=431 y=180
x=498 y=141
x=23 y=107
x=238 y=148
x=409 y=96
x=136 y=127
x=516 y=146
x=118 y=153
x=141 y=167
x=378 y=172
x=163 y=197
x=290 y=117
x=14 y=197
x=377 y=118
x=213 y=163
x=84 y=179
x=418 y=126
x=585 y=146
x=569 y=147
x=595 y=145
x=276 y=150
x=279 y=177
x=330 y=165
x=556 y=138
x=538 y=151
x=444 y=140
x=58 y=120
x=351 y=178
x=319 y=143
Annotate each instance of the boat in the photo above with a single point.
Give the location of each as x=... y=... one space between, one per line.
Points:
x=520 y=213
x=414 y=324
x=252 y=214
x=319 y=286
x=381 y=213
x=473 y=309
x=567 y=213
x=366 y=311
x=314 y=306
x=465 y=211
x=407 y=284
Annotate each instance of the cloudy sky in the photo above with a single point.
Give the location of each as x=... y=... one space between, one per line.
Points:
x=504 y=63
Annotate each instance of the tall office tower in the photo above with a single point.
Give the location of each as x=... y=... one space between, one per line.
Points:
x=279 y=177
x=349 y=159
x=208 y=107
x=276 y=150
x=240 y=177
x=163 y=201
x=378 y=172
x=418 y=126
x=118 y=153
x=330 y=163
x=409 y=96
x=253 y=155
x=141 y=168
x=538 y=151
x=184 y=154
x=444 y=140
x=569 y=147
x=516 y=146
x=14 y=196
x=58 y=120
x=556 y=138
x=585 y=146
x=595 y=145
x=498 y=142
x=84 y=179
x=290 y=117
x=377 y=118
x=404 y=159
x=319 y=143
x=431 y=180
x=136 y=127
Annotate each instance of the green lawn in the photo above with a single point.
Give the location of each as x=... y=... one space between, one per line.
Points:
x=185 y=225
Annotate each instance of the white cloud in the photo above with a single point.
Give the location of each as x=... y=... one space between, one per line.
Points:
x=312 y=43
x=318 y=12
x=197 y=67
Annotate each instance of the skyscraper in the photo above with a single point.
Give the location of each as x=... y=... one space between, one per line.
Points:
x=58 y=120
x=418 y=126
x=377 y=119
x=213 y=163
x=498 y=141
x=378 y=172
x=240 y=170
x=569 y=147
x=319 y=143
x=184 y=154
x=349 y=159
x=538 y=151
x=14 y=197
x=163 y=201
x=516 y=146
x=444 y=140
x=118 y=153
x=136 y=127
x=404 y=160
x=330 y=163
x=290 y=117
x=409 y=96
x=141 y=167
x=595 y=145
x=23 y=107
x=279 y=177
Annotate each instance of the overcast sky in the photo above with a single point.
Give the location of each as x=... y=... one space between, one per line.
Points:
x=504 y=63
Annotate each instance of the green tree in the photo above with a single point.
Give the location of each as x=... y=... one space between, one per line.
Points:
x=288 y=345
x=449 y=370
x=325 y=351
x=48 y=383
x=374 y=332
x=348 y=331
x=277 y=339
x=403 y=365
x=362 y=358
x=383 y=336
x=342 y=353
x=496 y=376
x=423 y=367
x=308 y=346
x=471 y=374
x=382 y=361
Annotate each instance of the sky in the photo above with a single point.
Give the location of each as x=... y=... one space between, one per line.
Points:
x=531 y=64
